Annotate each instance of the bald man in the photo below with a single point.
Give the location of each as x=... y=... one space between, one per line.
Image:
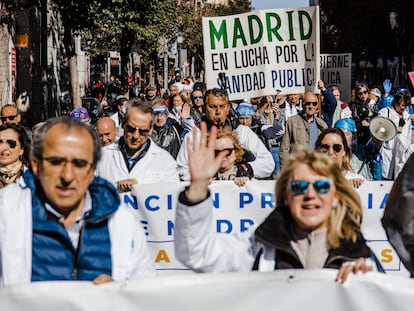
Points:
x=107 y=130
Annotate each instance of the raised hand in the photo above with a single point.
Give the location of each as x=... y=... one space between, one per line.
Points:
x=202 y=161
x=387 y=86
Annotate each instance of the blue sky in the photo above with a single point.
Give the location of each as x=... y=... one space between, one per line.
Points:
x=273 y=4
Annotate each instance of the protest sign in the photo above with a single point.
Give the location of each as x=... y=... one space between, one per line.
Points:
x=256 y=53
x=336 y=70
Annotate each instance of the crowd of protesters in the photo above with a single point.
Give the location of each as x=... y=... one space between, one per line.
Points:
x=318 y=148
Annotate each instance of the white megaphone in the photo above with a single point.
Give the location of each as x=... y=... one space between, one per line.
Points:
x=382 y=129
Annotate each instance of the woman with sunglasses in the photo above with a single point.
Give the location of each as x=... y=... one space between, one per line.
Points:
x=232 y=166
x=14 y=152
x=362 y=109
x=316 y=222
x=333 y=142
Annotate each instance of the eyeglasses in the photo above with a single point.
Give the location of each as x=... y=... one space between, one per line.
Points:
x=314 y=104
x=228 y=151
x=11 y=142
x=10 y=118
x=57 y=163
x=133 y=129
x=299 y=187
x=325 y=148
x=197 y=97
x=362 y=93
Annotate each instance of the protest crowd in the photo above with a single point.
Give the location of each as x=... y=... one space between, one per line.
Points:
x=61 y=216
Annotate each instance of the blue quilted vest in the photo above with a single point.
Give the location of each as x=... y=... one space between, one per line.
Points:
x=53 y=255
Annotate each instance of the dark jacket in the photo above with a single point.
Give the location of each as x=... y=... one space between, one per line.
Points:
x=275 y=232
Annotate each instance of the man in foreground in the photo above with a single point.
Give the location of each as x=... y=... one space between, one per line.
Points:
x=60 y=222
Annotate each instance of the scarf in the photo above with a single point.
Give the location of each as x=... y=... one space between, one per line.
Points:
x=10 y=172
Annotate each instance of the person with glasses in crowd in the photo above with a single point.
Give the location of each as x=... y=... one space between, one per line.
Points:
x=303 y=129
x=232 y=166
x=333 y=142
x=316 y=222
x=363 y=110
x=61 y=222
x=10 y=114
x=219 y=113
x=14 y=153
x=135 y=158
x=197 y=99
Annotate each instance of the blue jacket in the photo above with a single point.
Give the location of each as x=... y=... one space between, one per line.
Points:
x=53 y=254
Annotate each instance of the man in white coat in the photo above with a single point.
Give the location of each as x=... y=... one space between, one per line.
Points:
x=60 y=222
x=218 y=113
x=135 y=158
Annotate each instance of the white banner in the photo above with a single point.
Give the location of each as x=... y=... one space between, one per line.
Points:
x=235 y=209
x=336 y=70
x=263 y=51
x=294 y=290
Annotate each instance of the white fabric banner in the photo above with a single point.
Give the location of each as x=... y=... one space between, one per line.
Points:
x=294 y=290
x=235 y=209
x=263 y=51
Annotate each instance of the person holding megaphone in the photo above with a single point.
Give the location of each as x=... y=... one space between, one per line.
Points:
x=396 y=151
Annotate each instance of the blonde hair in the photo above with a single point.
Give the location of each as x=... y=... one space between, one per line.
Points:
x=345 y=220
x=238 y=150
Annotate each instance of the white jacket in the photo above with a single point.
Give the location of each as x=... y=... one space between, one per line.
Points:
x=396 y=151
x=263 y=165
x=129 y=252
x=157 y=166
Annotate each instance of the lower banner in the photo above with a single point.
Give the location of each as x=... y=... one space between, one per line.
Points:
x=294 y=290
x=237 y=208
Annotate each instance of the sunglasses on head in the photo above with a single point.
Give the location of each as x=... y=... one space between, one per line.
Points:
x=133 y=129
x=10 y=118
x=228 y=151
x=11 y=142
x=325 y=148
x=362 y=93
x=314 y=104
x=299 y=187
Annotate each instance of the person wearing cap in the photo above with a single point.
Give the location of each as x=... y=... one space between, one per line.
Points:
x=136 y=158
x=80 y=114
x=167 y=132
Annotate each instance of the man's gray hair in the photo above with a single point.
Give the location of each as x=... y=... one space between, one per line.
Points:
x=39 y=134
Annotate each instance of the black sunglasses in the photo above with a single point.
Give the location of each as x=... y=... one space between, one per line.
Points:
x=314 y=104
x=362 y=93
x=228 y=151
x=10 y=118
x=299 y=187
x=133 y=129
x=11 y=142
x=325 y=148
x=197 y=97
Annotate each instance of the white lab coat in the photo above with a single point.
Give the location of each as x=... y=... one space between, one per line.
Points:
x=157 y=166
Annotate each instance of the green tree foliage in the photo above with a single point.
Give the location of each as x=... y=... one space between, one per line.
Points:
x=189 y=19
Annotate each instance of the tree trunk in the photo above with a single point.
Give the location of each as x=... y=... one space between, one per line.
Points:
x=127 y=40
x=69 y=43
x=4 y=65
